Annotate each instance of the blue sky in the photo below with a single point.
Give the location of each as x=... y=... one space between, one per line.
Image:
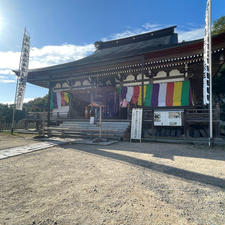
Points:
x=64 y=31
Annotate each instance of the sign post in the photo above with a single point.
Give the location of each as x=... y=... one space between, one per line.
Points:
x=136 y=124
x=22 y=77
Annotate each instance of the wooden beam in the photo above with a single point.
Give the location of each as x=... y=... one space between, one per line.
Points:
x=49 y=102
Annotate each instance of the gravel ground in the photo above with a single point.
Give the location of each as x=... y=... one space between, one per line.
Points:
x=9 y=141
x=125 y=183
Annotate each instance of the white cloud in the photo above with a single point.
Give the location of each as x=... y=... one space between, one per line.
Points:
x=12 y=102
x=127 y=33
x=52 y=55
x=147 y=27
x=28 y=99
x=189 y=35
x=9 y=60
x=7 y=72
x=152 y=26
x=7 y=81
x=7 y=102
x=42 y=57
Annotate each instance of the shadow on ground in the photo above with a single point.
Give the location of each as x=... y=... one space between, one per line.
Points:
x=163 y=153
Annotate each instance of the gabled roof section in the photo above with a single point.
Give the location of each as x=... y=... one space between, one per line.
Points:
x=122 y=48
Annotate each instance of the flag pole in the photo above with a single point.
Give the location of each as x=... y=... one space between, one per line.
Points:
x=14 y=110
x=210 y=79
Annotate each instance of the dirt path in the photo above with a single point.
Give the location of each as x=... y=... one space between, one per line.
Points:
x=119 y=184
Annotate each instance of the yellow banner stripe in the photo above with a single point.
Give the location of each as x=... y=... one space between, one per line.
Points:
x=177 y=93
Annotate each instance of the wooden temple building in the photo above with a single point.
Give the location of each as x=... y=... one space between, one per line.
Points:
x=151 y=67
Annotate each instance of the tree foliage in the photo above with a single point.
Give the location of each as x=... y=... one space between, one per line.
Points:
x=219 y=25
x=36 y=105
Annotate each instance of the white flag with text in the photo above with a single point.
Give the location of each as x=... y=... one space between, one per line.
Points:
x=23 y=71
x=206 y=57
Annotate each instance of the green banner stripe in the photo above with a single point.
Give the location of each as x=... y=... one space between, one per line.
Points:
x=185 y=93
x=148 y=96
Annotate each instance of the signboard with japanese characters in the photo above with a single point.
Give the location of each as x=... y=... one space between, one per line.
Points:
x=168 y=118
x=136 y=124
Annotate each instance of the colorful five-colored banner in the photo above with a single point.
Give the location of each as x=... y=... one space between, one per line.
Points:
x=59 y=99
x=159 y=95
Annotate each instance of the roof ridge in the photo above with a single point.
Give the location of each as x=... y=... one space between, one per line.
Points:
x=135 y=38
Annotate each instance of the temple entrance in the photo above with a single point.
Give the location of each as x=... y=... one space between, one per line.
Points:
x=105 y=96
x=80 y=99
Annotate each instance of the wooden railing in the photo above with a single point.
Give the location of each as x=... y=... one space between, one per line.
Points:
x=200 y=115
x=189 y=115
x=39 y=116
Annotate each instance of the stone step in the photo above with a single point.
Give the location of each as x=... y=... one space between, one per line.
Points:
x=85 y=125
x=114 y=129
x=92 y=125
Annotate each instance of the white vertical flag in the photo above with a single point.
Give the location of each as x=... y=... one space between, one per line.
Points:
x=23 y=71
x=206 y=56
x=207 y=80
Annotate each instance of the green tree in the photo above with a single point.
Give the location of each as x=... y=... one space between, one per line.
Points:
x=36 y=105
x=219 y=25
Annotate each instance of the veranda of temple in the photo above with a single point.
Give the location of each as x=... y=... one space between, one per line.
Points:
x=151 y=70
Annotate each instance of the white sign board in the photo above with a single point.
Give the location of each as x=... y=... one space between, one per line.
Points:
x=92 y=120
x=168 y=118
x=23 y=71
x=136 y=124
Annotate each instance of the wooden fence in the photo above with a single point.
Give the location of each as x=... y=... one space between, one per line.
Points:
x=19 y=125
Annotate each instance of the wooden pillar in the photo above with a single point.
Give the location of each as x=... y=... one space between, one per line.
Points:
x=185 y=124
x=142 y=83
x=49 y=102
x=92 y=94
x=217 y=118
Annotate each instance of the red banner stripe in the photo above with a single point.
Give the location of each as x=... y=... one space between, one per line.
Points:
x=169 y=94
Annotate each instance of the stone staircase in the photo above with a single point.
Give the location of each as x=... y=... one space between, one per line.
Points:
x=82 y=128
